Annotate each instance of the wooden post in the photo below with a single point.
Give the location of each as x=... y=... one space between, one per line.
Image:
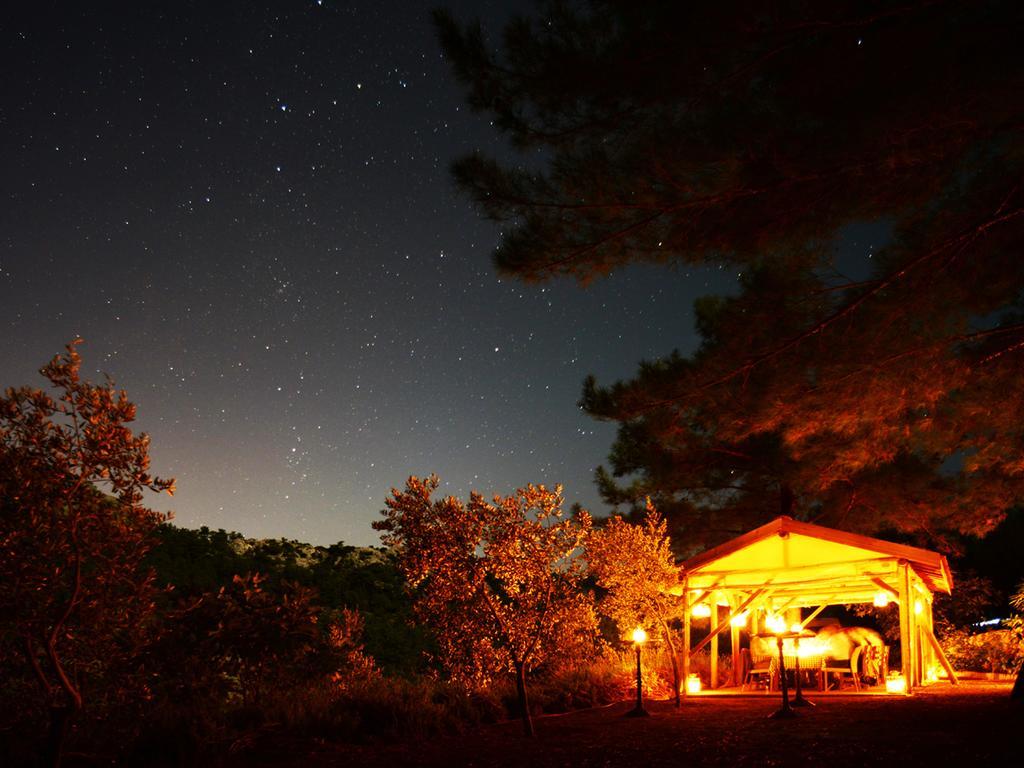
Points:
x=714 y=645
x=906 y=617
x=686 y=634
x=737 y=673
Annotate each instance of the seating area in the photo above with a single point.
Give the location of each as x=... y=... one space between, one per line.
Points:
x=865 y=668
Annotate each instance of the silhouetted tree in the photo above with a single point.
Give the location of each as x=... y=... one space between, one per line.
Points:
x=748 y=135
x=73 y=531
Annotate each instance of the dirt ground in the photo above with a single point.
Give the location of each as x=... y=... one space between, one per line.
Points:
x=972 y=724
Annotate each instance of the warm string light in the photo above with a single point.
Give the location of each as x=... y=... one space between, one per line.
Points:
x=701 y=611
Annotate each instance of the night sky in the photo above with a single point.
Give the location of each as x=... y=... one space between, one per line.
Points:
x=245 y=210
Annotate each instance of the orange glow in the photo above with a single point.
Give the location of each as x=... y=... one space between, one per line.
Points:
x=918 y=607
x=798 y=627
x=881 y=599
x=896 y=684
x=775 y=624
x=693 y=684
x=639 y=636
x=701 y=611
x=740 y=619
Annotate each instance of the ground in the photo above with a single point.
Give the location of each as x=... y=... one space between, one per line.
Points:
x=972 y=724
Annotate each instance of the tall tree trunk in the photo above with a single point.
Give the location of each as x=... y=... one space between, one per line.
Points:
x=524 y=703
x=676 y=682
x=1017 y=693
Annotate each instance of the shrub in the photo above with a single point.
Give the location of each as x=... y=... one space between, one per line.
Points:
x=1001 y=650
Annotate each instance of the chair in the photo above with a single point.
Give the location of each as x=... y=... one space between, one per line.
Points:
x=842 y=669
x=876 y=663
x=761 y=668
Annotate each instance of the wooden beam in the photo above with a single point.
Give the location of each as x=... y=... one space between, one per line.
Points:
x=810 y=618
x=714 y=648
x=728 y=619
x=704 y=592
x=864 y=580
x=686 y=637
x=881 y=583
x=906 y=643
x=942 y=656
x=888 y=567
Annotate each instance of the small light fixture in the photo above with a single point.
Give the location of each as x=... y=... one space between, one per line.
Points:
x=881 y=599
x=639 y=636
x=700 y=611
x=895 y=684
x=775 y=624
x=918 y=607
x=693 y=683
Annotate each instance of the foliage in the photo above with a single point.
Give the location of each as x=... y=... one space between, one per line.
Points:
x=367 y=580
x=500 y=584
x=242 y=642
x=999 y=650
x=634 y=564
x=77 y=601
x=862 y=395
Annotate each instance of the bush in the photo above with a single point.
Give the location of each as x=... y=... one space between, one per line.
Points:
x=1001 y=650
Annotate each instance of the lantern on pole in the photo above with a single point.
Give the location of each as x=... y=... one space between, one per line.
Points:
x=639 y=638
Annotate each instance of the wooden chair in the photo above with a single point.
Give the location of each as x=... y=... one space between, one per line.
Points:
x=843 y=670
x=761 y=668
x=876 y=663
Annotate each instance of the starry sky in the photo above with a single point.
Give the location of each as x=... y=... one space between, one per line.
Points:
x=245 y=210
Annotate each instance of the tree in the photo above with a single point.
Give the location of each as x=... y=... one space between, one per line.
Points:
x=500 y=584
x=869 y=395
x=635 y=565
x=73 y=532
x=245 y=643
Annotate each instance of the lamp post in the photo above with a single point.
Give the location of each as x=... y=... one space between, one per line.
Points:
x=785 y=711
x=799 y=700
x=639 y=638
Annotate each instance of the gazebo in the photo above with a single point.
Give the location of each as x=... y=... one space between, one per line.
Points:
x=787 y=565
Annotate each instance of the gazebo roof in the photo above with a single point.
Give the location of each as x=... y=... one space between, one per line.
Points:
x=808 y=564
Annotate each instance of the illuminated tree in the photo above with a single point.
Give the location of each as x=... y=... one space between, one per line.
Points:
x=500 y=584
x=73 y=533
x=865 y=393
x=636 y=567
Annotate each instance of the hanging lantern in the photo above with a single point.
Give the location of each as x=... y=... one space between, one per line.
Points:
x=693 y=683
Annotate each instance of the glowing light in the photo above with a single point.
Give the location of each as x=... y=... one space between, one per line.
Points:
x=693 y=684
x=776 y=624
x=813 y=647
x=918 y=607
x=798 y=627
x=895 y=684
x=881 y=599
x=639 y=636
x=740 y=619
x=701 y=611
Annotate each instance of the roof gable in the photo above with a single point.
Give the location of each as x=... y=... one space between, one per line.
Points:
x=785 y=544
